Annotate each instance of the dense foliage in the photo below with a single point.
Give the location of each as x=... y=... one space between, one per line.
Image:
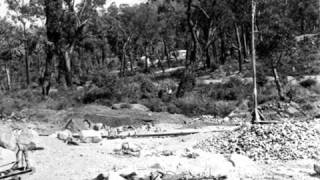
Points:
x=60 y=43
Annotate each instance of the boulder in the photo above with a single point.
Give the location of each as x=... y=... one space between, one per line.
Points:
x=116 y=106
x=292 y=110
x=29 y=138
x=8 y=139
x=64 y=135
x=90 y=136
x=292 y=80
x=139 y=107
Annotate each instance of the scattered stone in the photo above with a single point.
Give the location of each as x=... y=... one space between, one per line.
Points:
x=191 y=155
x=129 y=149
x=286 y=141
x=167 y=153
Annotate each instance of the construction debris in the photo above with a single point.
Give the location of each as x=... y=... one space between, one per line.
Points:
x=287 y=141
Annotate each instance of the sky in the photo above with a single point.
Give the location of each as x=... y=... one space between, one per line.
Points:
x=4 y=8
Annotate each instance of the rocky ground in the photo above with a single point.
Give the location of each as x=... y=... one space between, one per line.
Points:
x=170 y=155
x=206 y=154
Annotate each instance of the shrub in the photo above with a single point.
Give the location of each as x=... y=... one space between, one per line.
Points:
x=232 y=90
x=187 y=83
x=297 y=93
x=193 y=105
x=315 y=89
x=155 y=105
x=220 y=108
x=58 y=104
x=267 y=93
x=308 y=83
x=95 y=94
x=173 y=109
x=261 y=79
x=307 y=107
x=125 y=106
x=147 y=88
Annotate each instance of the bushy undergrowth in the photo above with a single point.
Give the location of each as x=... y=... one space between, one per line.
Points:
x=161 y=96
x=308 y=83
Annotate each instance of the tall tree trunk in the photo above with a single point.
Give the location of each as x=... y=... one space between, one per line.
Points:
x=38 y=63
x=256 y=116
x=240 y=57
x=192 y=28
x=214 y=56
x=223 y=49
x=131 y=61
x=123 y=63
x=45 y=79
x=8 y=77
x=166 y=52
x=26 y=55
x=208 y=57
x=53 y=11
x=278 y=83
x=244 y=41
x=103 y=55
x=67 y=60
x=146 y=63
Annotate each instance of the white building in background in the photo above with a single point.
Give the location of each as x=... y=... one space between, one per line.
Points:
x=178 y=55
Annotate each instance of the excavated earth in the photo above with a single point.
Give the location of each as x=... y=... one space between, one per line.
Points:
x=171 y=155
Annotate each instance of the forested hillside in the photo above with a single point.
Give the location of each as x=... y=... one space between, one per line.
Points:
x=125 y=54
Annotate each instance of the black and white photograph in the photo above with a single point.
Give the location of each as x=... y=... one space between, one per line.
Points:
x=159 y=89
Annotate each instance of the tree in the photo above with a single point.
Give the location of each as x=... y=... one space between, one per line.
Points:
x=68 y=29
x=25 y=16
x=256 y=116
x=11 y=49
x=277 y=33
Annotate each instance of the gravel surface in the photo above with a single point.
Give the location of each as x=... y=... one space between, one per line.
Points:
x=287 y=141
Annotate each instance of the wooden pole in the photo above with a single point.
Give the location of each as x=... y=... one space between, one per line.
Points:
x=256 y=117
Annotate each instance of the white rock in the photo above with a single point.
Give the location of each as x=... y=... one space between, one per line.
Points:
x=27 y=137
x=64 y=135
x=90 y=136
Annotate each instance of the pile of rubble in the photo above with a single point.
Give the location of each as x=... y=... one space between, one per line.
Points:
x=95 y=132
x=13 y=117
x=286 y=141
